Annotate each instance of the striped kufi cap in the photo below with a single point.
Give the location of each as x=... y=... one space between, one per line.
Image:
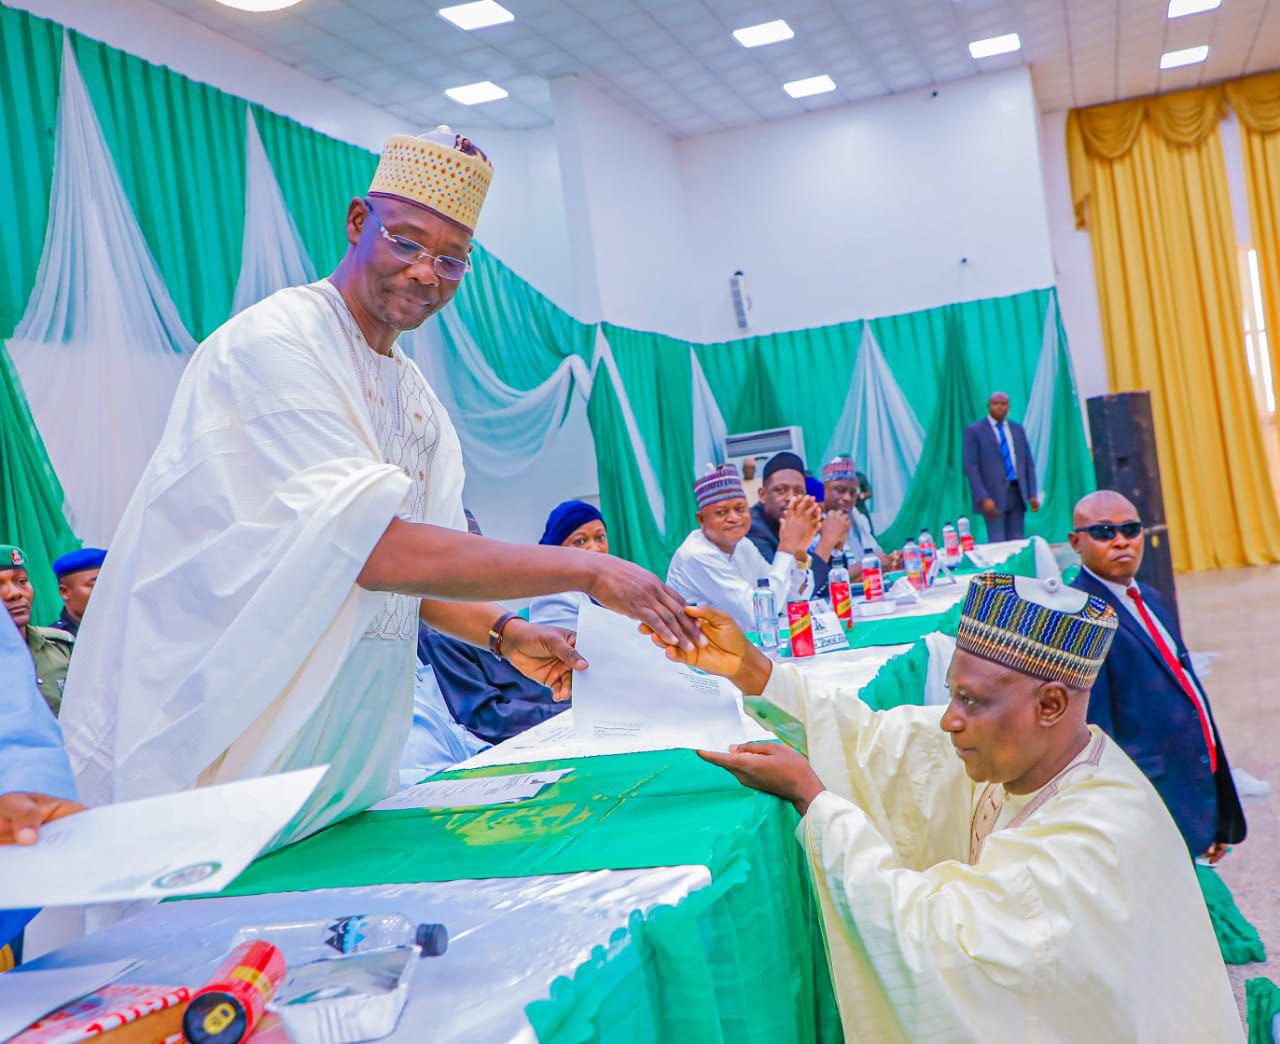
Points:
x=1037 y=627
x=722 y=483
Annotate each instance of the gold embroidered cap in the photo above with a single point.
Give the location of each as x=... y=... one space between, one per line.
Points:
x=442 y=172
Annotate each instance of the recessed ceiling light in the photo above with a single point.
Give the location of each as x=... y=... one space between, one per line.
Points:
x=478 y=15
x=812 y=85
x=258 y=6
x=476 y=93
x=1187 y=56
x=764 y=33
x=1178 y=8
x=994 y=45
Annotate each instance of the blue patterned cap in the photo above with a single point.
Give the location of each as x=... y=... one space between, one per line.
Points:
x=841 y=468
x=1037 y=627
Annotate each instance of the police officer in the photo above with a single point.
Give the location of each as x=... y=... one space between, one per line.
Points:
x=77 y=572
x=50 y=647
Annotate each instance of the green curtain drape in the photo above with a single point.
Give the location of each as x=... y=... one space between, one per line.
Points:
x=799 y=377
x=31 y=501
x=659 y=386
x=318 y=176
x=179 y=148
x=524 y=335
x=939 y=490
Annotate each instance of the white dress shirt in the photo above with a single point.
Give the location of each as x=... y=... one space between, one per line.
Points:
x=1132 y=607
x=700 y=572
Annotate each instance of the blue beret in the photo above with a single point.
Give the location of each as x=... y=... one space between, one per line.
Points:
x=78 y=561
x=567 y=517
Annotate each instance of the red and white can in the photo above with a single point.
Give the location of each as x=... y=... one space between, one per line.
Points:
x=227 y=1009
x=800 y=623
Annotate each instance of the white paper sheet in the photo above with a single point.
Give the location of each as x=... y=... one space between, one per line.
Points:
x=191 y=842
x=556 y=739
x=26 y=996
x=466 y=793
x=632 y=690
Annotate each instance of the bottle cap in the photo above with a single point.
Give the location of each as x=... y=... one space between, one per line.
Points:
x=762 y=582
x=433 y=939
x=868 y=551
x=217 y=1017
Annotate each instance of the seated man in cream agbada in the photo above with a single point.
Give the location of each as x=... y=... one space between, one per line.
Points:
x=995 y=869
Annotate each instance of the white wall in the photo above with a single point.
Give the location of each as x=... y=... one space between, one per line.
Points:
x=627 y=217
x=1073 y=264
x=868 y=210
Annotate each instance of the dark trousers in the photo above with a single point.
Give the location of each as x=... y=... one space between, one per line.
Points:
x=1007 y=524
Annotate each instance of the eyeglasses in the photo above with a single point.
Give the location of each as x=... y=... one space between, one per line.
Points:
x=412 y=253
x=1106 y=531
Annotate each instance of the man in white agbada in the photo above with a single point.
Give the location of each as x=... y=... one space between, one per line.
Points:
x=996 y=869
x=259 y=610
x=717 y=565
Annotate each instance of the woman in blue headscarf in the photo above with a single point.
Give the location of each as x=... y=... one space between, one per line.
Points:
x=574 y=523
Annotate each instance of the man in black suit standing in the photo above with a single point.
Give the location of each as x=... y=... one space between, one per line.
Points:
x=1001 y=470
x=1147 y=696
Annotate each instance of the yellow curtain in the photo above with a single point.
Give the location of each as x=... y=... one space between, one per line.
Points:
x=1150 y=180
x=1256 y=100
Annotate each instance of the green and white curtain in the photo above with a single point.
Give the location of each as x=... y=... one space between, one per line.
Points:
x=147 y=209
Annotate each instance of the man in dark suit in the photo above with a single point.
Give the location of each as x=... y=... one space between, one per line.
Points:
x=1147 y=696
x=1001 y=470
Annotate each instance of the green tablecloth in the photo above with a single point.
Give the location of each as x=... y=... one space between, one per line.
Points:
x=741 y=960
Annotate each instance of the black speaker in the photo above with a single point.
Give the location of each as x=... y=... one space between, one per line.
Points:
x=1125 y=459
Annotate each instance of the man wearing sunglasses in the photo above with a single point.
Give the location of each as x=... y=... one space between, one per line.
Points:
x=1147 y=695
x=300 y=515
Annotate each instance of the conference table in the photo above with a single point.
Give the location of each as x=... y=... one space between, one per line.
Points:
x=641 y=896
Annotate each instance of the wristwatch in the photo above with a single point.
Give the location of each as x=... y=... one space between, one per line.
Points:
x=495 y=633
x=803 y=560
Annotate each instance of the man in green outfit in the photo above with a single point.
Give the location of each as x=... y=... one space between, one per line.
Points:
x=50 y=647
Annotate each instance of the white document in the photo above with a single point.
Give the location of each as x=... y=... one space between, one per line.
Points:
x=556 y=739
x=630 y=689
x=26 y=996
x=466 y=793
x=194 y=841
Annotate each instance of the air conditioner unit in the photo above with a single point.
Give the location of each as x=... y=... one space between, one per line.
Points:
x=761 y=445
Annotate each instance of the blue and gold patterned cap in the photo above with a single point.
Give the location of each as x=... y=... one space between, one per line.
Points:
x=1037 y=627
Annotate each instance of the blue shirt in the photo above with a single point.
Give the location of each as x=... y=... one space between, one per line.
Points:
x=32 y=757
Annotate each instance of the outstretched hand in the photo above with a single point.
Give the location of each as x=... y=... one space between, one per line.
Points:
x=23 y=814
x=772 y=767
x=544 y=654
x=635 y=592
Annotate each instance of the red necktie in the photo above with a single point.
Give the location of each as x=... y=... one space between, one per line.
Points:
x=1178 y=672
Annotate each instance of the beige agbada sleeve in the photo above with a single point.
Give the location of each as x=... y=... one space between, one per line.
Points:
x=1084 y=923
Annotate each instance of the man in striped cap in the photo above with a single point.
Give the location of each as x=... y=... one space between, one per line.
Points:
x=996 y=869
x=716 y=566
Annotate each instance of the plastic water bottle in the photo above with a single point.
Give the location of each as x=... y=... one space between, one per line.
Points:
x=302 y=941
x=950 y=541
x=928 y=552
x=913 y=563
x=872 y=576
x=838 y=587
x=766 y=614
x=966 y=535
